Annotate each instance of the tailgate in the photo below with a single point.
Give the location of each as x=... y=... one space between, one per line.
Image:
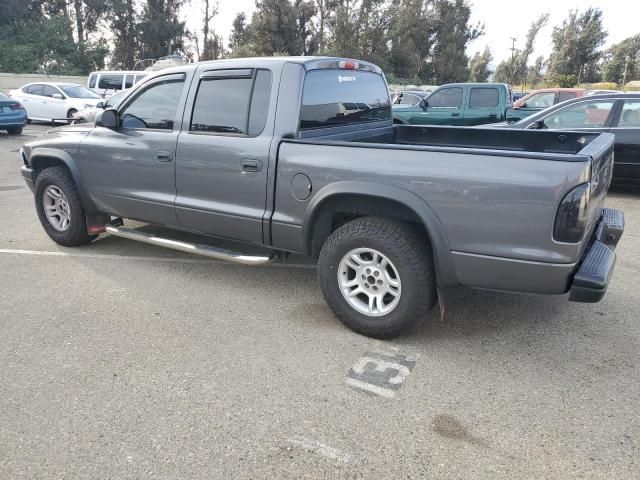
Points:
x=600 y=150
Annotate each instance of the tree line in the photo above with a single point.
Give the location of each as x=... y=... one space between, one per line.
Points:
x=414 y=41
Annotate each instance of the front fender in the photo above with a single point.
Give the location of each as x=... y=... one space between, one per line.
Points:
x=41 y=157
x=440 y=245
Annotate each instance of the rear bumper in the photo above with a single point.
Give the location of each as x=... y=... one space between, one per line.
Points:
x=591 y=280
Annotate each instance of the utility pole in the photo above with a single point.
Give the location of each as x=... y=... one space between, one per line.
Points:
x=513 y=53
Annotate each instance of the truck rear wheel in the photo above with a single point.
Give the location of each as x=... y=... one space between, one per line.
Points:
x=377 y=276
x=59 y=208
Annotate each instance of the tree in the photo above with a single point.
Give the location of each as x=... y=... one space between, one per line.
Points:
x=621 y=62
x=209 y=45
x=515 y=69
x=412 y=33
x=536 y=71
x=122 y=23
x=479 y=66
x=161 y=32
x=453 y=32
x=576 y=46
x=324 y=9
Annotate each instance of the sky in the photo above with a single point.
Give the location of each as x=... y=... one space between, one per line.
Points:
x=502 y=19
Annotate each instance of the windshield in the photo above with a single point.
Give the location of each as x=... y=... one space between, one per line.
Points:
x=78 y=91
x=114 y=100
x=337 y=97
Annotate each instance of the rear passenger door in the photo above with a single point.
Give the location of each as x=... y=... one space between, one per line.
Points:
x=627 y=149
x=482 y=106
x=223 y=153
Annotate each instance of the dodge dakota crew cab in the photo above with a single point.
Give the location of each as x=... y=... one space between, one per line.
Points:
x=301 y=155
x=458 y=104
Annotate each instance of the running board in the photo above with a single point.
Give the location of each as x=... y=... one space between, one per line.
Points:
x=198 y=249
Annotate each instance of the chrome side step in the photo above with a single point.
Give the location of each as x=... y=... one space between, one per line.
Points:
x=195 y=248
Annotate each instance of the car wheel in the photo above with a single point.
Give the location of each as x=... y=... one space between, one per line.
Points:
x=14 y=131
x=71 y=113
x=59 y=207
x=377 y=275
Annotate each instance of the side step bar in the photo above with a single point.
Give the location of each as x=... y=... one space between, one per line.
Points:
x=198 y=249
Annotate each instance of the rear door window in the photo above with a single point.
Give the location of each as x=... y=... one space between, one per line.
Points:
x=334 y=97
x=110 y=82
x=562 y=96
x=483 y=98
x=446 y=98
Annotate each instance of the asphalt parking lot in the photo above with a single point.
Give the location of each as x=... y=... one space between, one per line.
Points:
x=120 y=360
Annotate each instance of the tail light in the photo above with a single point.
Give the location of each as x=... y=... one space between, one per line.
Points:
x=348 y=65
x=573 y=215
x=16 y=106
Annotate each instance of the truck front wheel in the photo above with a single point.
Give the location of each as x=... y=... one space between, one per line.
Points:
x=59 y=208
x=377 y=276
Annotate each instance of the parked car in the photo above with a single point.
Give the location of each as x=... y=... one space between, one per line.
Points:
x=541 y=99
x=409 y=97
x=12 y=115
x=458 y=104
x=617 y=113
x=108 y=83
x=88 y=115
x=54 y=101
x=391 y=212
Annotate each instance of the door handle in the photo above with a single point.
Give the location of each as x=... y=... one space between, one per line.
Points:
x=251 y=165
x=493 y=115
x=164 y=157
x=455 y=114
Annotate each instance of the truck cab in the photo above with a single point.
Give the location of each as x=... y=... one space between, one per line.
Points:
x=458 y=104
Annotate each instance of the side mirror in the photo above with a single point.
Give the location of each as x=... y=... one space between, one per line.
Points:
x=424 y=104
x=539 y=125
x=57 y=95
x=100 y=105
x=108 y=118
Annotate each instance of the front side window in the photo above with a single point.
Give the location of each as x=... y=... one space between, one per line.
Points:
x=583 y=115
x=49 y=91
x=334 y=97
x=540 y=100
x=155 y=107
x=446 y=98
x=128 y=81
x=483 y=98
x=110 y=82
x=92 y=81
x=630 y=116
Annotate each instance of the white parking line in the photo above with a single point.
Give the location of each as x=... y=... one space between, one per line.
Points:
x=107 y=256
x=314 y=446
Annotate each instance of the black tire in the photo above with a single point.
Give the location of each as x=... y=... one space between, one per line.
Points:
x=76 y=232
x=410 y=253
x=71 y=113
x=14 y=131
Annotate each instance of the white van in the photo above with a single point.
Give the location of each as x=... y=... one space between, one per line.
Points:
x=107 y=83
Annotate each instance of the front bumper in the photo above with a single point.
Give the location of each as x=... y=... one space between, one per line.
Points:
x=596 y=268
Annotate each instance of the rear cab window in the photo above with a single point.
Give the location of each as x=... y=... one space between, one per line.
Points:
x=335 y=97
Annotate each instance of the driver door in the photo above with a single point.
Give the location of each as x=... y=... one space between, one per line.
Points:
x=444 y=107
x=130 y=171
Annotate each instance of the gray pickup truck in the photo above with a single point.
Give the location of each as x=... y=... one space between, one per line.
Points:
x=300 y=155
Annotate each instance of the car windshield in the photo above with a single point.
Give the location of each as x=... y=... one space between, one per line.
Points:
x=114 y=100
x=78 y=91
